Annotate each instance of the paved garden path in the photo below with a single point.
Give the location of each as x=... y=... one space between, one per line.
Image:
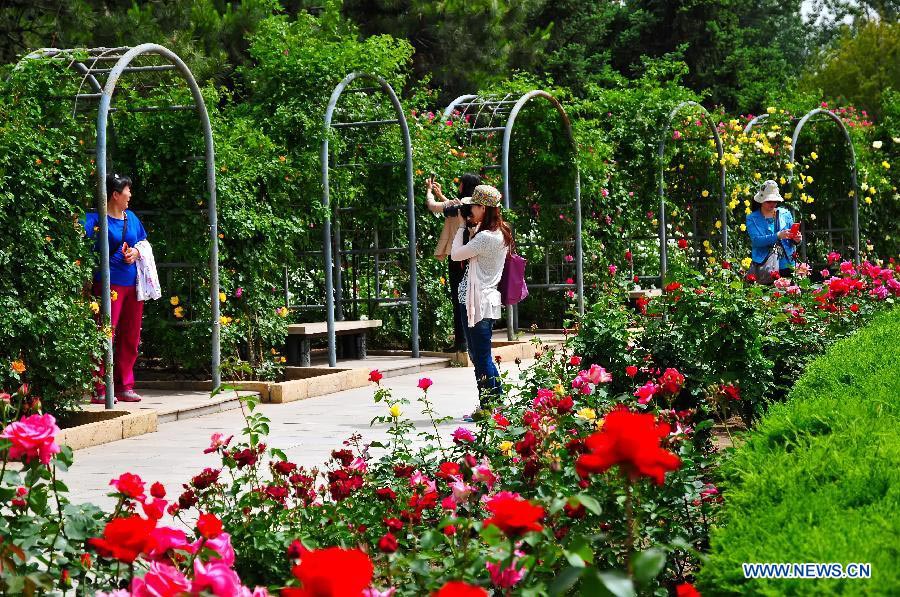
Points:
x=306 y=430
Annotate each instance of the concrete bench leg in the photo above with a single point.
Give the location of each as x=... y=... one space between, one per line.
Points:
x=293 y=350
x=305 y=360
x=361 y=346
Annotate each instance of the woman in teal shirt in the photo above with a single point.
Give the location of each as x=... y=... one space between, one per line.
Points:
x=769 y=228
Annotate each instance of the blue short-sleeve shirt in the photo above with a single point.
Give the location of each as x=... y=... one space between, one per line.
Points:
x=120 y=273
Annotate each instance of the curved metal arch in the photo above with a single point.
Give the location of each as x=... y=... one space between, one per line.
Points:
x=756 y=120
x=663 y=249
x=102 y=120
x=507 y=128
x=410 y=207
x=853 y=173
x=507 y=193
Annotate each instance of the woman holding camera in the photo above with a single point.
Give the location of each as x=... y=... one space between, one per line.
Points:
x=449 y=208
x=773 y=235
x=479 y=298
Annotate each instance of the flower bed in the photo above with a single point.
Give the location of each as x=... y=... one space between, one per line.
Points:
x=564 y=486
x=818 y=479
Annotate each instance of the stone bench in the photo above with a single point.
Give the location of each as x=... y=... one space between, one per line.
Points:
x=350 y=336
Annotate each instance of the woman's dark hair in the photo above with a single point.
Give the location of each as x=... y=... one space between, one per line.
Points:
x=469 y=181
x=116 y=183
x=492 y=221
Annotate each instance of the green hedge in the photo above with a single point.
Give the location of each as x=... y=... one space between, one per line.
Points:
x=819 y=478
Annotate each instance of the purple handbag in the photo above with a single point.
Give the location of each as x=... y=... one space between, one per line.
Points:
x=512 y=285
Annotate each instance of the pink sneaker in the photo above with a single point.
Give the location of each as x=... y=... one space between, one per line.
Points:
x=129 y=396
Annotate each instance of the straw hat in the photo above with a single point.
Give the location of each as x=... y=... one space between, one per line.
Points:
x=768 y=192
x=484 y=194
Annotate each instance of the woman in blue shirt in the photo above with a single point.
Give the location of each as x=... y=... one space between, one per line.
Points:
x=125 y=231
x=769 y=228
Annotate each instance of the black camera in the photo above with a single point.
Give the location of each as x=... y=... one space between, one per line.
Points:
x=465 y=210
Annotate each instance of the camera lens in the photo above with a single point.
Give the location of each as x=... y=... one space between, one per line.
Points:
x=465 y=210
x=451 y=211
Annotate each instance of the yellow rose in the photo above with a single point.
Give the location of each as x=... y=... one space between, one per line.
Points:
x=748 y=211
x=885 y=165
x=743 y=228
x=221 y=297
x=95 y=308
x=771 y=109
x=718 y=224
x=789 y=165
x=179 y=312
x=868 y=201
x=395 y=411
x=757 y=175
x=814 y=155
x=746 y=262
x=174 y=301
x=705 y=193
x=587 y=413
x=506 y=447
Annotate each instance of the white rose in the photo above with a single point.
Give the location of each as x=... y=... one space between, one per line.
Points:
x=877 y=144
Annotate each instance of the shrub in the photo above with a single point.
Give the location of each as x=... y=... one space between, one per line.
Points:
x=819 y=479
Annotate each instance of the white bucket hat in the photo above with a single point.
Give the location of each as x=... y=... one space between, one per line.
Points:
x=768 y=192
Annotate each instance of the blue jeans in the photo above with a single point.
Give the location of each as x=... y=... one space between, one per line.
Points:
x=479 y=340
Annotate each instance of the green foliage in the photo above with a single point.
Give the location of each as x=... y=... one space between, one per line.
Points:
x=861 y=66
x=817 y=480
x=45 y=319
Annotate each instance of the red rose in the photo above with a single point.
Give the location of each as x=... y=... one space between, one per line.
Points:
x=682 y=243
x=245 y=457
x=209 y=525
x=565 y=405
x=386 y=493
x=394 y=524
x=457 y=588
x=514 y=515
x=284 y=467
x=206 y=478
x=631 y=441
x=295 y=550
x=157 y=490
x=403 y=471
x=449 y=530
x=387 y=543
x=375 y=375
x=526 y=446
x=447 y=470
x=686 y=590
x=125 y=539
x=129 y=485
x=672 y=286
x=631 y=371
x=671 y=381
x=333 y=572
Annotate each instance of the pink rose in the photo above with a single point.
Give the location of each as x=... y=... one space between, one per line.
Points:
x=646 y=392
x=165 y=539
x=612 y=270
x=462 y=435
x=598 y=375
x=32 y=437
x=505 y=578
x=425 y=383
x=222 y=546
x=161 y=580
x=217 y=578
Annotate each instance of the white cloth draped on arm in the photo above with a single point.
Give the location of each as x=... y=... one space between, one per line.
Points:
x=147 y=278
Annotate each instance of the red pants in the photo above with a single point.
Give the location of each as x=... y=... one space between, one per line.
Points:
x=126 y=323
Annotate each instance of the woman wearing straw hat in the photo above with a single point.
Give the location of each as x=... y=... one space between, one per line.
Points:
x=449 y=209
x=479 y=298
x=773 y=237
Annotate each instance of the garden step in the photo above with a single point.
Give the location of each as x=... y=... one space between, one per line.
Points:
x=179 y=404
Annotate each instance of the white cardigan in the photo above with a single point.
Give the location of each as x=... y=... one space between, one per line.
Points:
x=486 y=253
x=147 y=278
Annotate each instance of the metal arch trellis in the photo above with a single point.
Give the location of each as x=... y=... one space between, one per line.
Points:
x=663 y=248
x=795 y=137
x=330 y=269
x=508 y=107
x=122 y=57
